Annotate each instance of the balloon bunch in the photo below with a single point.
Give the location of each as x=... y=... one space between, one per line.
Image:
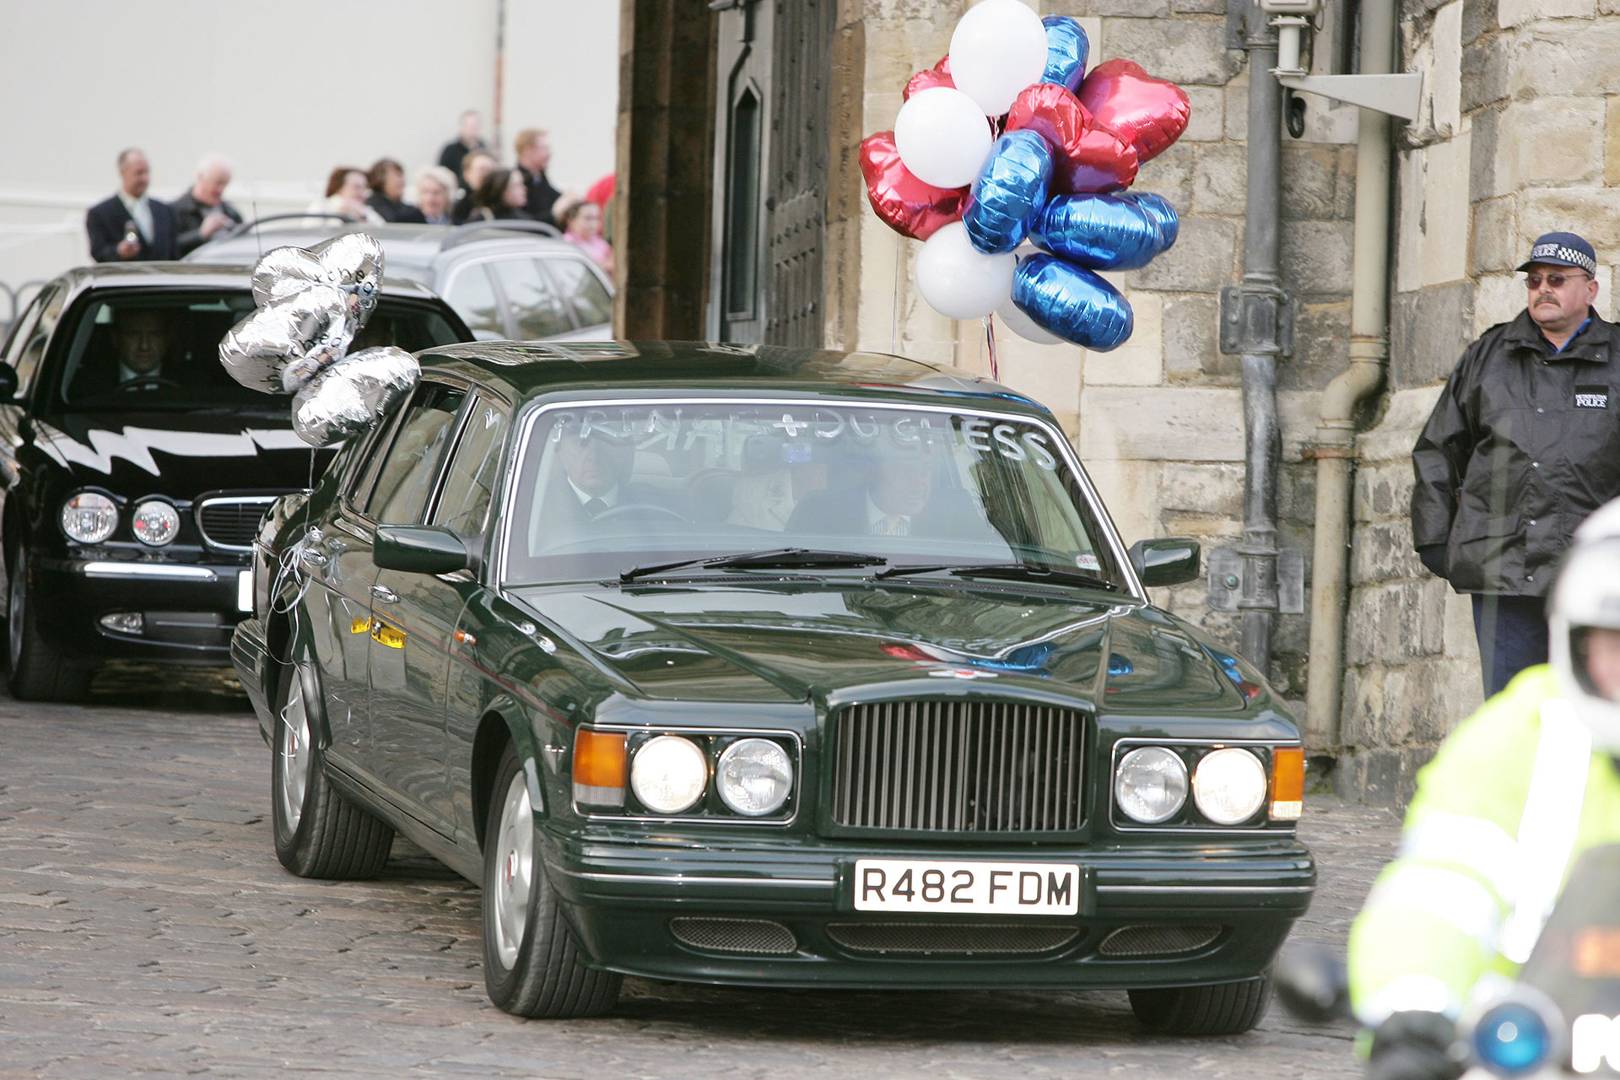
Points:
x=1009 y=162
x=311 y=304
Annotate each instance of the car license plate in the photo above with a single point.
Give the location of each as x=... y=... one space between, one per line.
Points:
x=988 y=888
x=244 y=590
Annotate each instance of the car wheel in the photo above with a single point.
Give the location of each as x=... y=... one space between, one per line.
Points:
x=532 y=965
x=1222 y=1009
x=38 y=672
x=319 y=833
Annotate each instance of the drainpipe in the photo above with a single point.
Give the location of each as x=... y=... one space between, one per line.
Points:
x=1369 y=351
x=1261 y=306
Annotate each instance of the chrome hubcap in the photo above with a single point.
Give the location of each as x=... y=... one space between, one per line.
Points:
x=514 y=873
x=295 y=756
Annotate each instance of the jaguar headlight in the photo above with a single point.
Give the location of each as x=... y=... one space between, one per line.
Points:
x=754 y=777
x=1229 y=786
x=1150 y=784
x=89 y=517
x=669 y=774
x=155 y=523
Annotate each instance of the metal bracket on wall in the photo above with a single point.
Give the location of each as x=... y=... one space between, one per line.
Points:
x=1233 y=588
x=1256 y=321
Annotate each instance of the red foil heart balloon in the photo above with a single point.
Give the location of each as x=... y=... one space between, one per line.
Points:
x=1087 y=157
x=1148 y=113
x=927 y=79
x=904 y=203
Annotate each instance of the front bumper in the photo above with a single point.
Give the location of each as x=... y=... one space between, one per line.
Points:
x=188 y=609
x=678 y=911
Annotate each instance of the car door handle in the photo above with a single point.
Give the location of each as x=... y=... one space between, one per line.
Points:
x=385 y=594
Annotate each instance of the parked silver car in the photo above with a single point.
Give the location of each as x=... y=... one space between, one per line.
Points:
x=507 y=280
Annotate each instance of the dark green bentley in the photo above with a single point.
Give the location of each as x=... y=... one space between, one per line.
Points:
x=769 y=667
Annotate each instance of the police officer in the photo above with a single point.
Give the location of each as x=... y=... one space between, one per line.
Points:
x=1516 y=793
x=1522 y=445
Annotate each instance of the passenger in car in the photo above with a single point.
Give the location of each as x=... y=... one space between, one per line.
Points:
x=140 y=343
x=595 y=480
x=897 y=498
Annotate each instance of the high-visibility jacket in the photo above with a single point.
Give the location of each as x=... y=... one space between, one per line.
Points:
x=1514 y=795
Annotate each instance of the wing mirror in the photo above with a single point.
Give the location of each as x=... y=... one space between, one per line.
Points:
x=1169 y=561
x=419 y=549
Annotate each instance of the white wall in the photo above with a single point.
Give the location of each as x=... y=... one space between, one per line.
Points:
x=285 y=89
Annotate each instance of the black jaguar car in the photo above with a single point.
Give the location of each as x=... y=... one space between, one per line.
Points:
x=135 y=470
x=769 y=667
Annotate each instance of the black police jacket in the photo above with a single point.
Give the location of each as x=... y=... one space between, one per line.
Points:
x=1523 y=444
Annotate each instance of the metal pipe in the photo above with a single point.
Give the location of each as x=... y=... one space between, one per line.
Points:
x=1369 y=352
x=1262 y=296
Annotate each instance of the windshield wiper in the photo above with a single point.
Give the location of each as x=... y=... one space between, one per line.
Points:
x=769 y=559
x=1014 y=571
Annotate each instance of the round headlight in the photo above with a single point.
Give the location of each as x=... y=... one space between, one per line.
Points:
x=89 y=517
x=1515 y=1038
x=1150 y=785
x=754 y=777
x=1229 y=786
x=668 y=774
x=155 y=523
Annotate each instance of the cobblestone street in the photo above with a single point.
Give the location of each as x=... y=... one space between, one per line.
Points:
x=146 y=928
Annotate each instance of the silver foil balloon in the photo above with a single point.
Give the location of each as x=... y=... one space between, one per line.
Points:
x=1072 y=302
x=352 y=262
x=1107 y=232
x=1067 y=49
x=353 y=394
x=1009 y=192
x=301 y=333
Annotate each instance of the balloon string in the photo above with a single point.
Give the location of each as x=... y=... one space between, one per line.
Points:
x=990 y=345
x=894 y=315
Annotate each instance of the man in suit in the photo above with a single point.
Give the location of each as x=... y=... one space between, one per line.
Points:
x=203 y=211
x=469 y=137
x=594 y=482
x=533 y=155
x=130 y=226
x=896 y=499
x=140 y=340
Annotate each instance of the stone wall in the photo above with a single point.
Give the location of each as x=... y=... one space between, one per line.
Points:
x=1158 y=422
x=1518 y=94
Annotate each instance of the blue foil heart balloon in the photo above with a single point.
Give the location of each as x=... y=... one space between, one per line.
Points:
x=1009 y=193
x=1072 y=302
x=1067 y=48
x=1107 y=232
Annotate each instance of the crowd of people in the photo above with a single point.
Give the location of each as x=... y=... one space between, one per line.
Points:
x=469 y=184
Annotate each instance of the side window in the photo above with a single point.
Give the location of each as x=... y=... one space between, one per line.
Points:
x=38 y=337
x=406 y=477
x=473 y=297
x=470 y=482
x=536 y=308
x=584 y=290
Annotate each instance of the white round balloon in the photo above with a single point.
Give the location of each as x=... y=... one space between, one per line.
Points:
x=958 y=280
x=942 y=137
x=1013 y=317
x=999 y=48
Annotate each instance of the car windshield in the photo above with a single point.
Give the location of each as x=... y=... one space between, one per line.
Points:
x=139 y=349
x=610 y=491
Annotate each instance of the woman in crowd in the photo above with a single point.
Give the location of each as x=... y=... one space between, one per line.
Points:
x=474 y=168
x=387 y=179
x=346 y=196
x=582 y=226
x=500 y=197
x=435 y=192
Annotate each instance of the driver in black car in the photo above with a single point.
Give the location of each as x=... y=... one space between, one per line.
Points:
x=141 y=337
x=595 y=466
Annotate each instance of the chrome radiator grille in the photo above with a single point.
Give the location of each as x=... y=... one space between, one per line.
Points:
x=232 y=521
x=959 y=766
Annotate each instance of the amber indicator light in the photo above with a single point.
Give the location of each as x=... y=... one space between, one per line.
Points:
x=599 y=767
x=1287 y=783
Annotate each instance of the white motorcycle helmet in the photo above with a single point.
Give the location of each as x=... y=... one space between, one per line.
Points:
x=1583 y=624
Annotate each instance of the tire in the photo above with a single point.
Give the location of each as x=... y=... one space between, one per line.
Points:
x=1222 y=1009
x=318 y=832
x=38 y=672
x=532 y=963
